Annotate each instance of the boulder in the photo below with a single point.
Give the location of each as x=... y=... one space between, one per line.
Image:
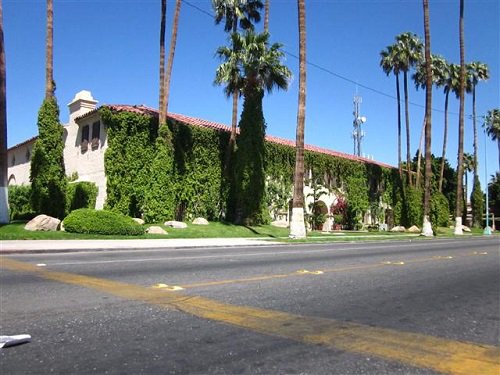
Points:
x=200 y=221
x=414 y=229
x=465 y=228
x=399 y=228
x=138 y=221
x=175 y=224
x=156 y=230
x=43 y=223
x=280 y=224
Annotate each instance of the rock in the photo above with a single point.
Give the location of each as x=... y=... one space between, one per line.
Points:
x=465 y=228
x=138 y=221
x=43 y=223
x=280 y=224
x=200 y=221
x=175 y=224
x=156 y=230
x=399 y=228
x=414 y=229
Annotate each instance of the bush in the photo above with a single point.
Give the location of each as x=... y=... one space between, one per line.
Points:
x=19 y=203
x=477 y=204
x=80 y=195
x=440 y=210
x=413 y=207
x=86 y=220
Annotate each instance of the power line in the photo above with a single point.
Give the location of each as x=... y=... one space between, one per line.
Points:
x=330 y=72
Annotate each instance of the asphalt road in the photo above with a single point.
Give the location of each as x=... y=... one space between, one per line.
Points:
x=409 y=307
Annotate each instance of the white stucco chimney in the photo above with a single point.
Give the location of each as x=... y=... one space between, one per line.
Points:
x=82 y=103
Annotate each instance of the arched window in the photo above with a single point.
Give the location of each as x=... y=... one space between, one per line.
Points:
x=12 y=180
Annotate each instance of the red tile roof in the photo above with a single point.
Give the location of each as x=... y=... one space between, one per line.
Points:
x=142 y=109
x=23 y=143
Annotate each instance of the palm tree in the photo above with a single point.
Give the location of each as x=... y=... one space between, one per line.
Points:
x=173 y=42
x=161 y=102
x=460 y=169
x=49 y=66
x=259 y=68
x=426 y=228
x=297 y=225
x=492 y=127
x=390 y=64
x=4 y=198
x=409 y=50
x=266 y=16
x=477 y=71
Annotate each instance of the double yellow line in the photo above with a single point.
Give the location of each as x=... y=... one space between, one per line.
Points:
x=414 y=349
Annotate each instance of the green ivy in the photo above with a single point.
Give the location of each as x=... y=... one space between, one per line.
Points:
x=440 y=210
x=47 y=174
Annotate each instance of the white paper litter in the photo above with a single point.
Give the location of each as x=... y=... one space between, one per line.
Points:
x=6 y=341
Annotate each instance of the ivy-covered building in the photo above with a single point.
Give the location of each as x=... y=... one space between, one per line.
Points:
x=116 y=147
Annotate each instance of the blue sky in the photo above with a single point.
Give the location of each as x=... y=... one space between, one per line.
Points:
x=110 y=47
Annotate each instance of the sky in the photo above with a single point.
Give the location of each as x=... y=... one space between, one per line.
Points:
x=111 y=48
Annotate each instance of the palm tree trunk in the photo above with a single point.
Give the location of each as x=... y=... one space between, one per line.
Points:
x=4 y=192
x=460 y=162
x=49 y=65
x=398 y=95
x=297 y=225
x=173 y=42
x=419 y=157
x=427 y=227
x=445 y=140
x=234 y=117
x=161 y=105
x=407 y=120
x=474 y=126
x=266 y=16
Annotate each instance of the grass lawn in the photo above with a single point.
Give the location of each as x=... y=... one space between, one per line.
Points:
x=15 y=231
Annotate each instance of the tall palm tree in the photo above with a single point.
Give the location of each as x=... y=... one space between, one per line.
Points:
x=409 y=50
x=390 y=64
x=297 y=225
x=4 y=198
x=243 y=13
x=260 y=69
x=492 y=126
x=49 y=65
x=173 y=42
x=477 y=72
x=266 y=16
x=460 y=169
x=426 y=227
x=161 y=101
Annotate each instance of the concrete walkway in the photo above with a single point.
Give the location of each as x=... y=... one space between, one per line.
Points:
x=55 y=246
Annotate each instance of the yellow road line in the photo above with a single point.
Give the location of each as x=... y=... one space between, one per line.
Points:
x=447 y=356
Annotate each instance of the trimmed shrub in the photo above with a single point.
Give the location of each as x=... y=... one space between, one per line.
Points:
x=90 y=221
x=477 y=204
x=413 y=207
x=440 y=210
x=47 y=175
x=19 y=203
x=81 y=195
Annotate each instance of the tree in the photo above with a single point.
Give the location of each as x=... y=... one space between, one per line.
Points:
x=4 y=198
x=426 y=228
x=266 y=16
x=460 y=169
x=260 y=69
x=297 y=225
x=171 y=53
x=408 y=51
x=476 y=72
x=492 y=127
x=47 y=173
x=243 y=13
x=162 y=116
x=390 y=64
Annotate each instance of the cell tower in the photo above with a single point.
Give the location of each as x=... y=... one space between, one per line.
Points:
x=357 y=134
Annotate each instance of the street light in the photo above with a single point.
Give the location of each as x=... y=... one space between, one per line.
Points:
x=487 y=228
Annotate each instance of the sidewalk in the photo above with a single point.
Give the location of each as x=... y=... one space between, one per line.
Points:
x=51 y=246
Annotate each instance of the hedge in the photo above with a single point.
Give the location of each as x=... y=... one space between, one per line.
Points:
x=91 y=221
